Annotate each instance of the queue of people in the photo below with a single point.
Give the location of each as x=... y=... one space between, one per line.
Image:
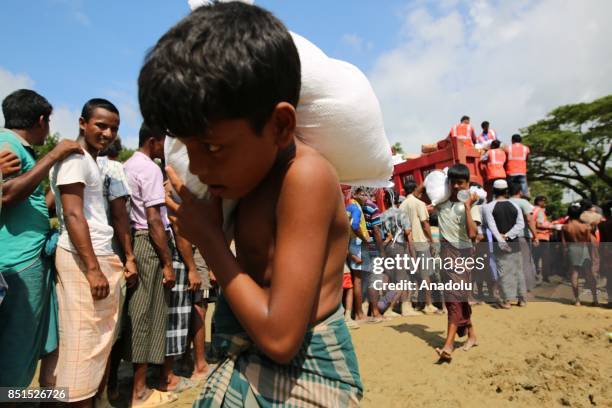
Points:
x=115 y=282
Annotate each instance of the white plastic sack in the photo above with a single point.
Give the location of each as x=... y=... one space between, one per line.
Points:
x=339 y=115
x=194 y=4
x=436 y=186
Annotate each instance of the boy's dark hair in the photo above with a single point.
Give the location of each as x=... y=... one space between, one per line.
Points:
x=223 y=61
x=516 y=138
x=539 y=199
x=574 y=211
x=459 y=171
x=146 y=132
x=113 y=149
x=92 y=104
x=484 y=124
x=464 y=117
x=514 y=189
x=23 y=108
x=500 y=192
x=495 y=144
x=585 y=204
x=410 y=186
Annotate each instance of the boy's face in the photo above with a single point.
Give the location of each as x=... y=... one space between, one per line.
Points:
x=457 y=185
x=101 y=128
x=361 y=197
x=232 y=159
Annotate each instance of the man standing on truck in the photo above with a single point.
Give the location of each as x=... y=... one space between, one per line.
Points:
x=487 y=136
x=516 y=165
x=463 y=131
x=495 y=159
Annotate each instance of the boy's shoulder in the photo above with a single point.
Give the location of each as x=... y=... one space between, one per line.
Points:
x=309 y=169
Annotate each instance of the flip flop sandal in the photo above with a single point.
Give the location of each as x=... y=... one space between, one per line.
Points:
x=156 y=399
x=182 y=385
x=444 y=356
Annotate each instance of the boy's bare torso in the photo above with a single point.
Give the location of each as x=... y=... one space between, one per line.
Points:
x=576 y=231
x=257 y=216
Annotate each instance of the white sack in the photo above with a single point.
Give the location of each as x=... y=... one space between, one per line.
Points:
x=339 y=115
x=436 y=186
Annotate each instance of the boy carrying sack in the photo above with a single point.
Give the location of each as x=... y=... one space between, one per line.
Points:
x=226 y=82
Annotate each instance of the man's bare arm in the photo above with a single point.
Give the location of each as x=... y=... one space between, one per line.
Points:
x=186 y=250
x=22 y=186
x=427 y=230
x=78 y=231
x=160 y=243
x=272 y=317
x=121 y=225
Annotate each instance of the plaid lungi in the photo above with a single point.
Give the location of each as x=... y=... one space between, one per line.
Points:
x=324 y=372
x=179 y=309
x=86 y=326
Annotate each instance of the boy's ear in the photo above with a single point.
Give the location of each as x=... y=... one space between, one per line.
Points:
x=82 y=124
x=283 y=121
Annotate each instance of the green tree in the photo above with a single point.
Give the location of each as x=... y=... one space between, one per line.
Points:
x=398 y=148
x=50 y=143
x=125 y=154
x=572 y=147
x=553 y=192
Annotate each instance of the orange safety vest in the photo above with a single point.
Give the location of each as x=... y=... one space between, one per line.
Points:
x=517 y=159
x=464 y=132
x=541 y=233
x=488 y=137
x=495 y=164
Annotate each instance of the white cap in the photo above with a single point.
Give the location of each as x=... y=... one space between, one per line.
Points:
x=500 y=184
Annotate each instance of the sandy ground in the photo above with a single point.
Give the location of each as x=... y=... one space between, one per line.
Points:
x=548 y=354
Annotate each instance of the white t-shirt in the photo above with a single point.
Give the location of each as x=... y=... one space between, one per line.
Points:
x=84 y=169
x=452 y=220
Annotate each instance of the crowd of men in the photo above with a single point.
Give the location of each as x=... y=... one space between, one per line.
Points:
x=521 y=246
x=116 y=282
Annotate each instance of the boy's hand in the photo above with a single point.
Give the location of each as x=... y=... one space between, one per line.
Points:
x=169 y=277
x=65 y=148
x=98 y=284
x=193 y=218
x=130 y=273
x=473 y=198
x=9 y=163
x=195 y=282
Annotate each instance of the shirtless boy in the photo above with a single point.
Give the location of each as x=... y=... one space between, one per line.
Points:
x=225 y=81
x=576 y=237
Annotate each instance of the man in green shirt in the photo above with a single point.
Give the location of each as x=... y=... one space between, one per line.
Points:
x=24 y=225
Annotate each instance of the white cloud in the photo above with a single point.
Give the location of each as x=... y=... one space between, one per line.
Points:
x=10 y=82
x=356 y=43
x=65 y=121
x=506 y=62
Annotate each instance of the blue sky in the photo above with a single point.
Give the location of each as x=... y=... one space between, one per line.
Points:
x=429 y=62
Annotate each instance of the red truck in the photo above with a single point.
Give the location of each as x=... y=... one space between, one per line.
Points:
x=449 y=152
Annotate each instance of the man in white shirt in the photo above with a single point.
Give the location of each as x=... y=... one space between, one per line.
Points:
x=89 y=272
